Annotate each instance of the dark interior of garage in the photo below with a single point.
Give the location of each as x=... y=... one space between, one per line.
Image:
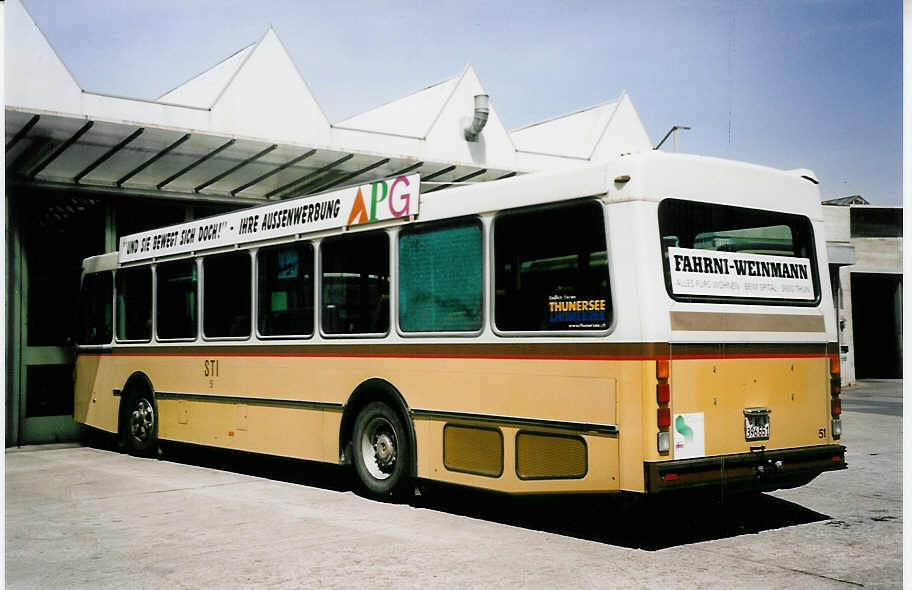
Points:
x=877 y=325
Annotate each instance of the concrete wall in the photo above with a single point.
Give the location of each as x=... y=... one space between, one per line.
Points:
x=872 y=255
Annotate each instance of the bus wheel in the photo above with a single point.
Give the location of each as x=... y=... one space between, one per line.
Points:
x=142 y=426
x=381 y=451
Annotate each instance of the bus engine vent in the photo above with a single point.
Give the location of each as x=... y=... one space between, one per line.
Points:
x=473 y=449
x=550 y=456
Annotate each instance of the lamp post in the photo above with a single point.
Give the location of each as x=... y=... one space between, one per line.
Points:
x=673 y=130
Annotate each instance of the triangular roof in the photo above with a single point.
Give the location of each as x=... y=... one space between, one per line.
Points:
x=411 y=116
x=583 y=134
x=850 y=200
x=267 y=77
x=42 y=80
x=203 y=89
x=574 y=134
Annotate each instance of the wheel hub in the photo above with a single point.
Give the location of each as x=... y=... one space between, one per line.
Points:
x=142 y=420
x=379 y=448
x=384 y=450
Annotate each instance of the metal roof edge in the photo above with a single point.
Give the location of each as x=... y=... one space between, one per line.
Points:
x=389 y=102
x=49 y=44
x=565 y=115
x=447 y=101
x=207 y=70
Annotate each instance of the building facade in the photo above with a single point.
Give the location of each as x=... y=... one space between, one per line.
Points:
x=85 y=168
x=869 y=288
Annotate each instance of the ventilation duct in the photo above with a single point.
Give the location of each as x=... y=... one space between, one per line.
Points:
x=480 y=118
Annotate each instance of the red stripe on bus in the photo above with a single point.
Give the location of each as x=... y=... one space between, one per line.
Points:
x=467 y=356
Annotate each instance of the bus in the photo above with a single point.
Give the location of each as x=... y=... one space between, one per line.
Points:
x=655 y=324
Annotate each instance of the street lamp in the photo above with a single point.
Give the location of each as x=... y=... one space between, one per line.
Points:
x=673 y=130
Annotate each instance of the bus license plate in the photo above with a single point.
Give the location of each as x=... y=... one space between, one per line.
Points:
x=756 y=427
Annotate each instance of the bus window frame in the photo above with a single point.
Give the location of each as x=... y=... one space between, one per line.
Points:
x=201 y=296
x=256 y=290
x=103 y=345
x=722 y=300
x=199 y=316
x=151 y=306
x=609 y=258
x=431 y=226
x=318 y=282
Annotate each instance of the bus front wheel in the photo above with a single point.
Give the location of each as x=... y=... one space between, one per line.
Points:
x=380 y=447
x=141 y=432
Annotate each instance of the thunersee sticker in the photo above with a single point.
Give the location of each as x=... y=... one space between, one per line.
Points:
x=735 y=274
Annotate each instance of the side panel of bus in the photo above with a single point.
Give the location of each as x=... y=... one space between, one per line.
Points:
x=292 y=406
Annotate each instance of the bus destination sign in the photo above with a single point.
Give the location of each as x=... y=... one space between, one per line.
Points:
x=737 y=274
x=378 y=201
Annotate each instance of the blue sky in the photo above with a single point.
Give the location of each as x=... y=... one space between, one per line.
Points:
x=791 y=84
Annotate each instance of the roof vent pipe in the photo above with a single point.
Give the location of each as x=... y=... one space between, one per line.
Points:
x=480 y=118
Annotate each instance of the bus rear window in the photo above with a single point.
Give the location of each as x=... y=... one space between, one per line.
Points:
x=713 y=251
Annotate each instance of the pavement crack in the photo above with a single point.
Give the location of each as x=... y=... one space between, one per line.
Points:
x=169 y=490
x=786 y=568
x=816 y=575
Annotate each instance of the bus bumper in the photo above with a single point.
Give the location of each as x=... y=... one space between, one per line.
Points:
x=759 y=471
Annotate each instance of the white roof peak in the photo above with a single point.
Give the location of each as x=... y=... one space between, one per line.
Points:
x=202 y=89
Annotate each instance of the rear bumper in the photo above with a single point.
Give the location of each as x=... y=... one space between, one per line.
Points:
x=759 y=471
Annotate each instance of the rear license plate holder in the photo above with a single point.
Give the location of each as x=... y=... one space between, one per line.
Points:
x=756 y=424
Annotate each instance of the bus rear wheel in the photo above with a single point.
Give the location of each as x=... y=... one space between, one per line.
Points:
x=380 y=449
x=141 y=428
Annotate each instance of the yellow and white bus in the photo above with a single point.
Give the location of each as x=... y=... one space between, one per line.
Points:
x=660 y=322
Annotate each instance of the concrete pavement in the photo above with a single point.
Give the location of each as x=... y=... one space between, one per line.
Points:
x=87 y=517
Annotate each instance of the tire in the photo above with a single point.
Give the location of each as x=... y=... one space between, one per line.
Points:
x=140 y=428
x=381 y=452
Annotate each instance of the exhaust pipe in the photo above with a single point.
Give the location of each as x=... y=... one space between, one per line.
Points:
x=480 y=118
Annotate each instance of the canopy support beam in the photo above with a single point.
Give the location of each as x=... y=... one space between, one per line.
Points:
x=478 y=172
x=262 y=177
x=313 y=174
x=186 y=169
x=235 y=168
x=108 y=154
x=152 y=160
x=60 y=149
x=22 y=132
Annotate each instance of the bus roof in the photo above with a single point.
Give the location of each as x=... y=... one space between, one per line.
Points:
x=644 y=176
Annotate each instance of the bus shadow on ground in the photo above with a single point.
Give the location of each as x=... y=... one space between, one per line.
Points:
x=666 y=522
x=658 y=524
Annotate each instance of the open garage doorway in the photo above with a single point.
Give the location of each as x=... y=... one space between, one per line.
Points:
x=877 y=325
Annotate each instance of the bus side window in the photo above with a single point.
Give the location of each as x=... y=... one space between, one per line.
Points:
x=95 y=309
x=134 y=304
x=176 y=284
x=551 y=269
x=440 y=278
x=355 y=282
x=226 y=295
x=285 y=290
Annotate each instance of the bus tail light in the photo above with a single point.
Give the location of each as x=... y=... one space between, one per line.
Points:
x=663 y=398
x=835 y=402
x=663 y=393
x=662 y=369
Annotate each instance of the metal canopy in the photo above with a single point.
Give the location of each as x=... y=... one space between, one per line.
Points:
x=75 y=153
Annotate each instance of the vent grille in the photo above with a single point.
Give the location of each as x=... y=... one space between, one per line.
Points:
x=550 y=456
x=472 y=449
